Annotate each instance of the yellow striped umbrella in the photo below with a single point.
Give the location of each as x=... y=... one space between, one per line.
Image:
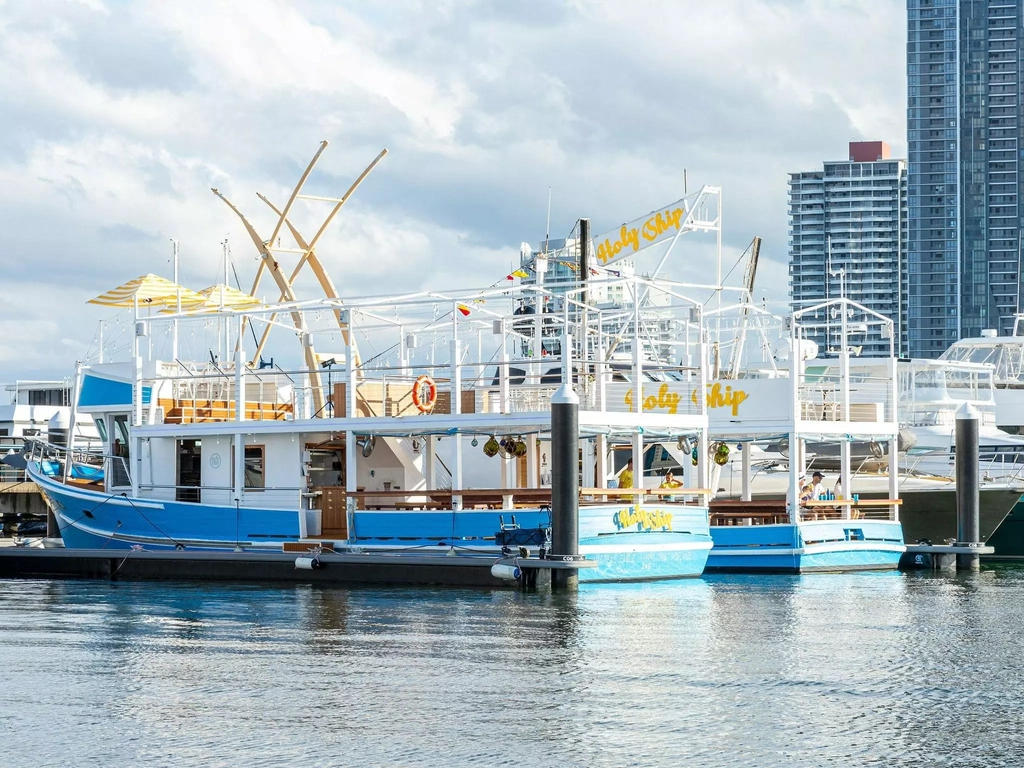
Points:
x=148 y=291
x=220 y=295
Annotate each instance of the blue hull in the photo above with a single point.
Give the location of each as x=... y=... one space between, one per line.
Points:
x=95 y=520
x=840 y=545
x=686 y=559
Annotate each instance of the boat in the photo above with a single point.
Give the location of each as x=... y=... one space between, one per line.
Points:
x=795 y=533
x=1005 y=356
x=413 y=434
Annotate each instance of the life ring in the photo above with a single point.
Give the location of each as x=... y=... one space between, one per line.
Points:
x=424 y=394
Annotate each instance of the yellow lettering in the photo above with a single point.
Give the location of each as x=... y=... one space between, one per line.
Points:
x=643 y=519
x=630 y=237
x=607 y=251
x=738 y=397
x=716 y=397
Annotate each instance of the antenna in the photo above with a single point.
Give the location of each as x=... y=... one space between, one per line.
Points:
x=547 y=229
x=684 y=182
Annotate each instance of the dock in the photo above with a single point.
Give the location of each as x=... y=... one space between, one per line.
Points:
x=941 y=557
x=309 y=567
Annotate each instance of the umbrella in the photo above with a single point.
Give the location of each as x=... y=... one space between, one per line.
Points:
x=220 y=295
x=148 y=291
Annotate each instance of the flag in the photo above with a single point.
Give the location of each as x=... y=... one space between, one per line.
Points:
x=594 y=272
x=520 y=273
x=463 y=309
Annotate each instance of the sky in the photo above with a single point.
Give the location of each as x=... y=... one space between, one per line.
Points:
x=118 y=117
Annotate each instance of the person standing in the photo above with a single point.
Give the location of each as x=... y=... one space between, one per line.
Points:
x=626 y=476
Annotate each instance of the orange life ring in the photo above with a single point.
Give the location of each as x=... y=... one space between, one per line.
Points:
x=424 y=394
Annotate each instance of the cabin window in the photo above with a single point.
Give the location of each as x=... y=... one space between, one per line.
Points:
x=47 y=397
x=254 y=458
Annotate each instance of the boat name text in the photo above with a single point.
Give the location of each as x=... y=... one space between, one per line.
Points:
x=651 y=231
x=717 y=397
x=664 y=399
x=644 y=519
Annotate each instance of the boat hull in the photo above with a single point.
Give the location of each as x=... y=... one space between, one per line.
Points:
x=91 y=519
x=931 y=515
x=1008 y=539
x=626 y=548
x=843 y=545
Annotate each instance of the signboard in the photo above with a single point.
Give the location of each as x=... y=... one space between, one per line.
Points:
x=747 y=401
x=643 y=232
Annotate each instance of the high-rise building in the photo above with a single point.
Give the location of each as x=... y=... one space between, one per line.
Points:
x=848 y=225
x=964 y=143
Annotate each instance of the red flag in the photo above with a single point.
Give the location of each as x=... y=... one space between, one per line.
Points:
x=464 y=309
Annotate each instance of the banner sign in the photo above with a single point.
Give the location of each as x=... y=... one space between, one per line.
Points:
x=751 y=401
x=643 y=232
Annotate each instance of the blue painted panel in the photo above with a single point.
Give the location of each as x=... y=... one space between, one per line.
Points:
x=440 y=525
x=754 y=535
x=90 y=519
x=637 y=566
x=97 y=391
x=852 y=530
x=847 y=560
x=767 y=561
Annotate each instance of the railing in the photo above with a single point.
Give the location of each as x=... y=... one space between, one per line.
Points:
x=42 y=451
x=520 y=498
x=821 y=398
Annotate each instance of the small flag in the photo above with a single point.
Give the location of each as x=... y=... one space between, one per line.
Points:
x=594 y=272
x=520 y=273
x=464 y=309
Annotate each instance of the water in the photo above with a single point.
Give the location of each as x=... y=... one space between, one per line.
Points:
x=825 y=670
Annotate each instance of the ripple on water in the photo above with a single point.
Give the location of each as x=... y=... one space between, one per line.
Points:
x=817 y=670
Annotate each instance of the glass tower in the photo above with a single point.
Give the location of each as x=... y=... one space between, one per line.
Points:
x=847 y=237
x=963 y=131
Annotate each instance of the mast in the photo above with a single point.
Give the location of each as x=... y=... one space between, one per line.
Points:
x=177 y=304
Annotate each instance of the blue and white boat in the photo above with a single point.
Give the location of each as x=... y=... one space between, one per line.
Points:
x=425 y=428
x=796 y=406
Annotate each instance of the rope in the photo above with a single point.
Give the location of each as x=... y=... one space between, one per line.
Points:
x=166 y=536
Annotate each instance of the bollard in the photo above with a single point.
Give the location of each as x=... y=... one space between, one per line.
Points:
x=565 y=486
x=968 y=529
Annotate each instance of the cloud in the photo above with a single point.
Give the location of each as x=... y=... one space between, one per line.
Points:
x=120 y=116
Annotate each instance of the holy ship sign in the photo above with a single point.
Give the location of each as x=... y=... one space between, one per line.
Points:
x=643 y=232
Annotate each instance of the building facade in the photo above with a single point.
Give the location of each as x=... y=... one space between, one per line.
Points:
x=848 y=237
x=963 y=138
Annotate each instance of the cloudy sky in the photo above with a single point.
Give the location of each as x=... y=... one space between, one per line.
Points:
x=118 y=117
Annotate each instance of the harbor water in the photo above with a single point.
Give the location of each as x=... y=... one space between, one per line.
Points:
x=825 y=670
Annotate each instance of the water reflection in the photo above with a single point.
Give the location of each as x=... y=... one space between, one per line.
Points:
x=823 y=670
